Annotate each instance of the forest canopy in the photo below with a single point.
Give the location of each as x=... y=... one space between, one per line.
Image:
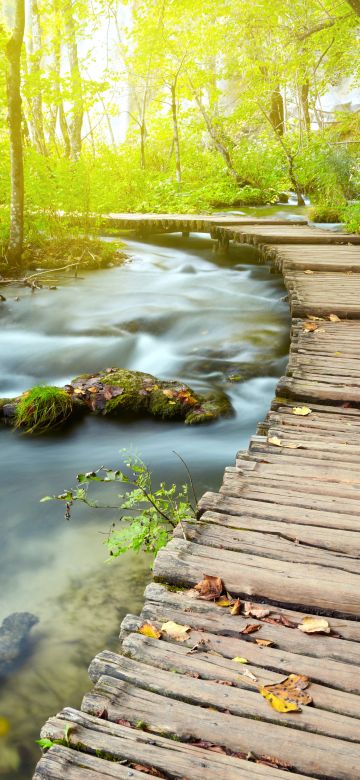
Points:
x=172 y=105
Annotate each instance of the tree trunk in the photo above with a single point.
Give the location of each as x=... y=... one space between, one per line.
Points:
x=355 y=5
x=13 y=76
x=176 y=138
x=76 y=86
x=304 y=97
x=217 y=141
x=35 y=69
x=277 y=116
x=142 y=144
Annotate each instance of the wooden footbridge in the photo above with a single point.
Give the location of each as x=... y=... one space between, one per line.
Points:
x=283 y=534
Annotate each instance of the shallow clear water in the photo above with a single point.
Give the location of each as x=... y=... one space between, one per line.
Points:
x=176 y=310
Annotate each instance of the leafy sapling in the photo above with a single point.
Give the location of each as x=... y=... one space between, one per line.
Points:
x=148 y=515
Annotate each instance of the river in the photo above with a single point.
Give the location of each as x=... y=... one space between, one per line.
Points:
x=176 y=310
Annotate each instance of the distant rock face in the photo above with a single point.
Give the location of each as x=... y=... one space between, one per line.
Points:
x=14 y=634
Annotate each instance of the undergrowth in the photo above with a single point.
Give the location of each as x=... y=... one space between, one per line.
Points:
x=42 y=408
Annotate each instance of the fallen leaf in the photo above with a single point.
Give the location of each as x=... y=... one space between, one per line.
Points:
x=240 y=660
x=310 y=326
x=275 y=440
x=291 y=445
x=287 y=695
x=210 y=588
x=250 y=675
x=147 y=629
x=147 y=770
x=314 y=625
x=255 y=610
x=250 y=628
x=301 y=410
x=281 y=620
x=235 y=609
x=334 y=318
x=224 y=602
x=273 y=762
x=169 y=393
x=264 y=642
x=308 y=271
x=126 y=723
x=175 y=630
x=225 y=682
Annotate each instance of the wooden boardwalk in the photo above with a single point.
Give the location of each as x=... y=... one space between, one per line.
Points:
x=283 y=533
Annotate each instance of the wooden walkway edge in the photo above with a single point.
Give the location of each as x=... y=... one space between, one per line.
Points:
x=283 y=533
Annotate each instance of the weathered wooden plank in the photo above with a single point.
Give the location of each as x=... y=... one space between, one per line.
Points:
x=174 y=657
x=176 y=759
x=62 y=763
x=183 y=563
x=169 y=716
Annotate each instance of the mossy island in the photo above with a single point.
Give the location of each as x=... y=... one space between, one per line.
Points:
x=115 y=392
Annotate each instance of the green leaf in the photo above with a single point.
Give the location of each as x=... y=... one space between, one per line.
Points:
x=45 y=743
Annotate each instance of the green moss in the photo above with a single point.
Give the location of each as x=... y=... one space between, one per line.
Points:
x=43 y=408
x=131 y=398
x=212 y=408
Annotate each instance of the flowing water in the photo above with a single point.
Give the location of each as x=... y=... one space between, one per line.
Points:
x=176 y=310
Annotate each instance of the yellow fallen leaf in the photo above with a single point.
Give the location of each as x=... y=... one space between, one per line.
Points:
x=275 y=440
x=235 y=609
x=264 y=642
x=175 y=630
x=310 y=326
x=291 y=445
x=239 y=660
x=224 y=602
x=287 y=695
x=301 y=410
x=279 y=704
x=314 y=625
x=308 y=271
x=147 y=629
x=334 y=318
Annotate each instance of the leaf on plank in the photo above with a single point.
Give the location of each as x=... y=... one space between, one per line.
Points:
x=314 y=625
x=210 y=588
x=240 y=660
x=264 y=642
x=287 y=695
x=250 y=628
x=236 y=608
x=282 y=620
x=175 y=630
x=224 y=601
x=255 y=610
x=250 y=675
x=147 y=629
x=303 y=411
x=334 y=318
x=310 y=326
x=273 y=762
x=308 y=271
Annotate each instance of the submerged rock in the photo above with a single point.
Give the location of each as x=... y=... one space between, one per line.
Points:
x=14 y=635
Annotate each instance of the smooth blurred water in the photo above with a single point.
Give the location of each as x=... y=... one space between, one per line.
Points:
x=176 y=310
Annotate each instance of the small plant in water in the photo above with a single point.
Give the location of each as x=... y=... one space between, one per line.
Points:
x=43 y=408
x=148 y=514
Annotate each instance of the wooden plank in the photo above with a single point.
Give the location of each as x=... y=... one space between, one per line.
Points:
x=172 y=717
x=176 y=759
x=183 y=563
x=62 y=763
x=204 y=693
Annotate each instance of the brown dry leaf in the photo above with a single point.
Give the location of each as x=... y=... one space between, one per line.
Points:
x=235 y=609
x=281 y=620
x=308 y=271
x=303 y=411
x=147 y=770
x=273 y=762
x=334 y=318
x=147 y=629
x=175 y=630
x=287 y=695
x=250 y=628
x=255 y=610
x=210 y=588
x=314 y=625
x=310 y=326
x=126 y=723
x=264 y=642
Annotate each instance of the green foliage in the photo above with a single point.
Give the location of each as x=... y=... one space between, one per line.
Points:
x=43 y=408
x=351 y=218
x=324 y=213
x=148 y=515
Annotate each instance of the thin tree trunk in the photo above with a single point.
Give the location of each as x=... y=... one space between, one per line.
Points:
x=355 y=5
x=35 y=70
x=277 y=116
x=217 y=141
x=76 y=86
x=13 y=76
x=304 y=97
x=176 y=138
x=143 y=134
